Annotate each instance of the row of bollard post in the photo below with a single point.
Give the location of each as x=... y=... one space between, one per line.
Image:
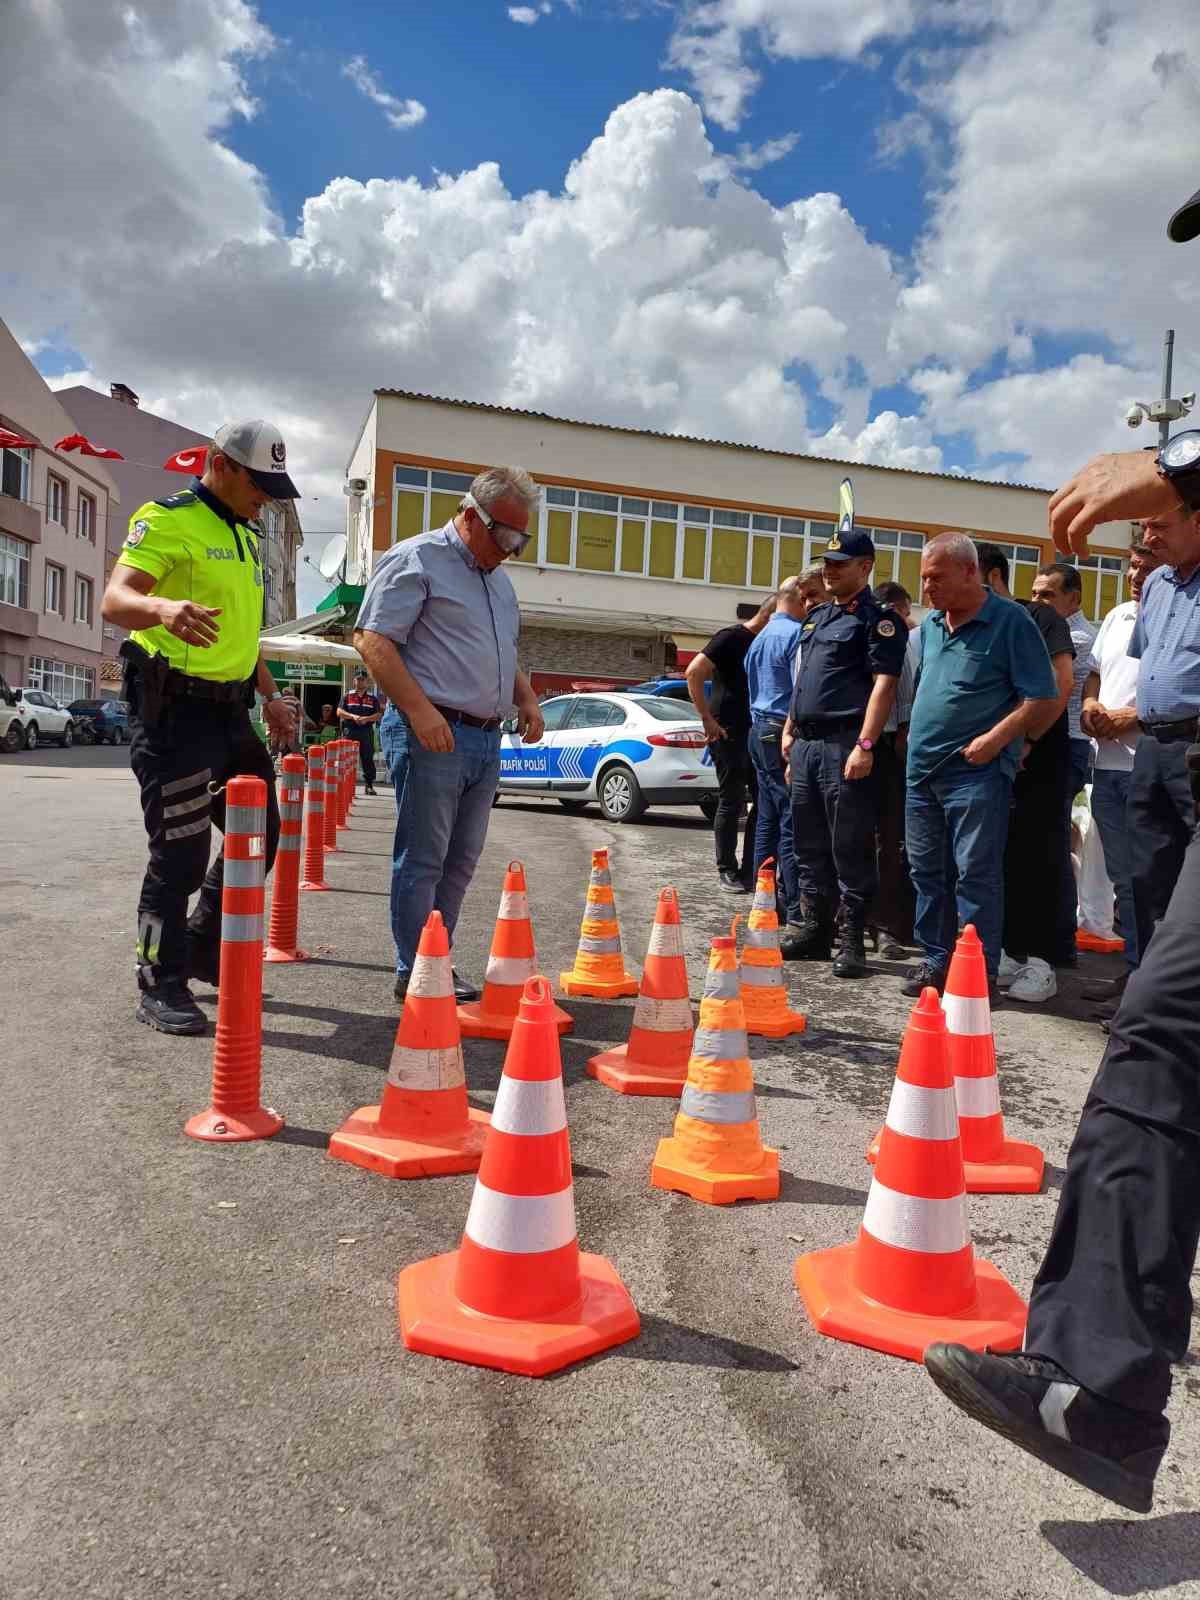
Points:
x=316 y=795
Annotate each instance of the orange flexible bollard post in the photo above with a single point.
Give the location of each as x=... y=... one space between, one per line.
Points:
x=510 y=965
x=348 y=753
x=599 y=964
x=518 y=1294
x=332 y=786
x=764 y=995
x=314 y=821
x=912 y=1278
x=236 y=1112
x=655 y=1060
x=285 y=880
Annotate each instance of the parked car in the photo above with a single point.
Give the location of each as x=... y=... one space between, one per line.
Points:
x=101 y=721
x=621 y=750
x=667 y=688
x=34 y=717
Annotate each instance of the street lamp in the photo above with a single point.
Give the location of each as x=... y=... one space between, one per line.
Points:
x=1164 y=411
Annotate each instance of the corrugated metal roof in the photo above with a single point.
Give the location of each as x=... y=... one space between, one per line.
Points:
x=687 y=438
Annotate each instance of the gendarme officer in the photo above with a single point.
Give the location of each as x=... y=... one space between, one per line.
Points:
x=851 y=657
x=189 y=584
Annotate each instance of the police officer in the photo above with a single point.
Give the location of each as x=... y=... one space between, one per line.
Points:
x=358 y=713
x=851 y=656
x=188 y=583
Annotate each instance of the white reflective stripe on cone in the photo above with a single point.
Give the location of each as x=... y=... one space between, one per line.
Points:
x=240 y=874
x=239 y=928
x=245 y=819
x=764 y=900
x=720 y=1044
x=521 y=1224
x=529 y=1106
x=935 y=1227
x=721 y=985
x=922 y=1113
x=509 y=970
x=599 y=947
x=763 y=977
x=978 y=1097
x=426 y=1069
x=431 y=978
x=967 y=1015
x=761 y=938
x=666 y=939
x=718 y=1105
x=514 y=906
x=662 y=1016
x=601 y=878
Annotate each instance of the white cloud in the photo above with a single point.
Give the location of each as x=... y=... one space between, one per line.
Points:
x=526 y=15
x=400 y=114
x=752 y=158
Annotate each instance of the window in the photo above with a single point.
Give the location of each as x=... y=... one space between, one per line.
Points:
x=14 y=473
x=56 y=588
x=60 y=680
x=56 y=500
x=14 y=567
x=594 y=714
x=85 y=516
x=83 y=600
x=554 y=712
x=664 y=710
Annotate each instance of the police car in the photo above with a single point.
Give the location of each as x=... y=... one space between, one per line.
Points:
x=624 y=751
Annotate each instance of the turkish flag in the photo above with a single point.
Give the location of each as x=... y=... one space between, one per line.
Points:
x=77 y=441
x=187 y=460
x=15 y=441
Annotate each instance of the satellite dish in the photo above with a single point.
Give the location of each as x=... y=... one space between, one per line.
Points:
x=333 y=558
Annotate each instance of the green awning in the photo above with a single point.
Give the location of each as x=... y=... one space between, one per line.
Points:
x=348 y=595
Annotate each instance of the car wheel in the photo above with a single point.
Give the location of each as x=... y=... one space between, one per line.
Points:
x=620 y=795
x=709 y=808
x=14 y=738
x=573 y=806
x=68 y=736
x=31 y=736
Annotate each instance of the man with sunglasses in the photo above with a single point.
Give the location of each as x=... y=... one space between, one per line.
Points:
x=438 y=630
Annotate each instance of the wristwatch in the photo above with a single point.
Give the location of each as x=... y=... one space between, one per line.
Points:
x=865 y=744
x=267 y=698
x=1179 y=463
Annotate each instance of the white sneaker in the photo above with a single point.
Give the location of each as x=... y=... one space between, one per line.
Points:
x=1035 y=982
x=1007 y=971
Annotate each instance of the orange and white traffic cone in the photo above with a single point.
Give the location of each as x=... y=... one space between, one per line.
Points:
x=655 y=1060
x=510 y=965
x=423 y=1126
x=716 y=1153
x=344 y=778
x=314 y=821
x=599 y=964
x=285 y=880
x=768 y=1014
x=912 y=1276
x=236 y=1112
x=333 y=783
x=518 y=1294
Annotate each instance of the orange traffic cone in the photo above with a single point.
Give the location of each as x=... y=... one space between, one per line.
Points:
x=912 y=1277
x=764 y=997
x=423 y=1126
x=509 y=967
x=655 y=1061
x=518 y=1294
x=599 y=965
x=716 y=1153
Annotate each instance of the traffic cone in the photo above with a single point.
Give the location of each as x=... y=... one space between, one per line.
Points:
x=314 y=821
x=655 y=1060
x=599 y=965
x=510 y=965
x=285 y=880
x=343 y=779
x=333 y=783
x=764 y=996
x=912 y=1277
x=518 y=1294
x=716 y=1153
x=423 y=1126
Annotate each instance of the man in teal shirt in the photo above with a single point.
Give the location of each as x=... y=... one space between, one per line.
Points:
x=985 y=686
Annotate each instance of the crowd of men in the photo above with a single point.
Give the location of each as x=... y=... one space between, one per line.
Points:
x=907 y=779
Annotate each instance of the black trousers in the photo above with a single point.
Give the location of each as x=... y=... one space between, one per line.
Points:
x=1160 y=817
x=1111 y=1303
x=896 y=902
x=1037 y=865
x=833 y=823
x=735 y=778
x=365 y=739
x=174 y=760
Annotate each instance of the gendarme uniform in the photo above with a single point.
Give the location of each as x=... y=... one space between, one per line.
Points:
x=842 y=649
x=189 y=716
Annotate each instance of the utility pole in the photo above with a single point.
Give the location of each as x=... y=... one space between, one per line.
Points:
x=1164 y=411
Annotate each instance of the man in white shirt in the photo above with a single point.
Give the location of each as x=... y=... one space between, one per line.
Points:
x=1109 y=715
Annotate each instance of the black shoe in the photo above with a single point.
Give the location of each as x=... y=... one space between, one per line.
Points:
x=169 y=1008
x=203 y=962
x=852 y=957
x=926 y=976
x=1031 y=1401
x=370 y=789
x=1104 y=988
x=809 y=939
x=462 y=989
x=732 y=882
x=400 y=988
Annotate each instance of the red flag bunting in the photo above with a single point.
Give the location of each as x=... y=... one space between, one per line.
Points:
x=78 y=441
x=187 y=460
x=15 y=441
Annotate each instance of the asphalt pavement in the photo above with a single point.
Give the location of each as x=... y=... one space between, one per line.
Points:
x=202 y=1388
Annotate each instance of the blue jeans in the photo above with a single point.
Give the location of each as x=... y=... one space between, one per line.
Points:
x=1110 y=792
x=773 y=829
x=443 y=805
x=956 y=825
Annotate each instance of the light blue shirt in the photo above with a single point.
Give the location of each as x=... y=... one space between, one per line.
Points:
x=1166 y=640
x=455 y=625
x=771 y=667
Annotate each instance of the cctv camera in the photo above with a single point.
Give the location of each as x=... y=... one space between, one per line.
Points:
x=1187 y=401
x=1135 y=416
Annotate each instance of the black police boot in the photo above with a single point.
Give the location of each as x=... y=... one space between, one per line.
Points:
x=1031 y=1401
x=168 y=1007
x=852 y=957
x=808 y=939
x=464 y=989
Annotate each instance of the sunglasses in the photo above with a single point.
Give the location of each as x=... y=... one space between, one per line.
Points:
x=511 y=540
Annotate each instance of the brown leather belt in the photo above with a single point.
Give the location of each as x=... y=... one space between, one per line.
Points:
x=488 y=724
x=1169 y=732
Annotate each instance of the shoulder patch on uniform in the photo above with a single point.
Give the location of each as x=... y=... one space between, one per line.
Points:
x=885 y=629
x=185 y=497
x=137 y=532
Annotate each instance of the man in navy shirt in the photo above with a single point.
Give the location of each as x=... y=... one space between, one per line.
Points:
x=358 y=713
x=851 y=655
x=770 y=671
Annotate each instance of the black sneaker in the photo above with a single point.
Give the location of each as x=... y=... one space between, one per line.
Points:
x=732 y=882
x=1031 y=1401
x=400 y=990
x=462 y=989
x=169 y=1008
x=926 y=976
x=370 y=789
